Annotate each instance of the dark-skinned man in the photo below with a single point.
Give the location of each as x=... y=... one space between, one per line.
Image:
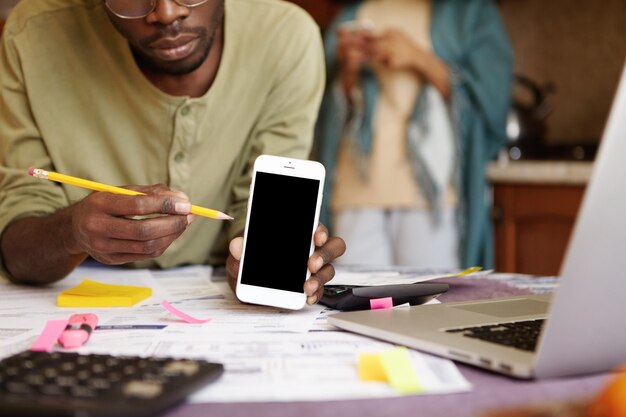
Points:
x=175 y=98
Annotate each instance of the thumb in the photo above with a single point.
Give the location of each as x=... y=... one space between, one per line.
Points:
x=236 y=247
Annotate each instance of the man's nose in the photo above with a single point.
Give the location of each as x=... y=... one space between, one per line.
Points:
x=167 y=12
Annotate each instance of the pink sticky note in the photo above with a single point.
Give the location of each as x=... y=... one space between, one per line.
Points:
x=381 y=303
x=49 y=336
x=183 y=316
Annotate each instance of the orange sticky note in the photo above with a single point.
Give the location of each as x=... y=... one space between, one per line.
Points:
x=371 y=368
x=393 y=366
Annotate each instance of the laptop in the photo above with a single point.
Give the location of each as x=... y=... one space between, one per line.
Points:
x=578 y=330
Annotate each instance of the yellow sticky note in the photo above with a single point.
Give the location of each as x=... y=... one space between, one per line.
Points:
x=393 y=366
x=371 y=368
x=96 y=294
x=400 y=371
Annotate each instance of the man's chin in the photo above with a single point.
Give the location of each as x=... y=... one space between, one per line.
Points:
x=172 y=67
x=175 y=67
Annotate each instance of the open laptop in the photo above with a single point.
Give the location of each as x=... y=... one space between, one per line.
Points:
x=579 y=330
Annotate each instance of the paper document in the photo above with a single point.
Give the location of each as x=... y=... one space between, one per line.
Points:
x=376 y=276
x=281 y=367
x=269 y=354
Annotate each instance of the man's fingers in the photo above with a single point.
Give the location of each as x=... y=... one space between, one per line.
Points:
x=313 y=289
x=332 y=249
x=321 y=235
x=314 y=286
x=322 y=271
x=318 y=280
x=236 y=248
x=164 y=202
x=325 y=274
x=232 y=263
x=117 y=252
x=133 y=247
x=139 y=230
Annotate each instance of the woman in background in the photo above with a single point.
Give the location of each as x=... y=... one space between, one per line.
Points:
x=415 y=107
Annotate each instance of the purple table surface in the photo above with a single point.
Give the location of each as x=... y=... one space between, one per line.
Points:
x=491 y=391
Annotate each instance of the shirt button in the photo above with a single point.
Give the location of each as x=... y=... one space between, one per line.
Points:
x=179 y=157
x=185 y=111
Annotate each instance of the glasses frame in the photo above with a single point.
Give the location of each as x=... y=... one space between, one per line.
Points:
x=152 y=7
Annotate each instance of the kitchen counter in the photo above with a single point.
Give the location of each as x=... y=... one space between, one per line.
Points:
x=540 y=172
x=535 y=204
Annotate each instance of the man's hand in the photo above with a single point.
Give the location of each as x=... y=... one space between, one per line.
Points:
x=100 y=226
x=106 y=227
x=327 y=249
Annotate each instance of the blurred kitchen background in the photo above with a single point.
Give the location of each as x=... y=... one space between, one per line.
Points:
x=569 y=55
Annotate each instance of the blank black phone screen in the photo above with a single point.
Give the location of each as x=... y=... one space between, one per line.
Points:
x=278 y=240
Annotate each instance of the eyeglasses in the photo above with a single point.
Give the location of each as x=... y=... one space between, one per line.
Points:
x=136 y=9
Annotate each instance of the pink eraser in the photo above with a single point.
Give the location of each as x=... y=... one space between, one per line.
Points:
x=31 y=171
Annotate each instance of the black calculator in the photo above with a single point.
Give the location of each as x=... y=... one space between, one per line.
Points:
x=68 y=384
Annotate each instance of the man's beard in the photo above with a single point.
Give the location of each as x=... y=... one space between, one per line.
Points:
x=174 y=67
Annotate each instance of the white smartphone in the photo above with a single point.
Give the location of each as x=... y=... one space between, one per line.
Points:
x=283 y=213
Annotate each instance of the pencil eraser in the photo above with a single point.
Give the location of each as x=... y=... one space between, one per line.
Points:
x=31 y=171
x=73 y=338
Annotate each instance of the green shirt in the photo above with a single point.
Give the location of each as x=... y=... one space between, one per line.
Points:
x=73 y=100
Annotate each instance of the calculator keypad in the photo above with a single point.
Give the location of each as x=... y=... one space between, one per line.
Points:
x=97 y=384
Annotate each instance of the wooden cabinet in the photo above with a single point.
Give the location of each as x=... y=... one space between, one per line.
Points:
x=533 y=224
x=534 y=216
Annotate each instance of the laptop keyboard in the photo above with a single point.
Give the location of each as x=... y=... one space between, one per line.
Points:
x=522 y=335
x=67 y=384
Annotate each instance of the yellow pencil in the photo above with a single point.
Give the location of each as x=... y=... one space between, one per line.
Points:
x=96 y=186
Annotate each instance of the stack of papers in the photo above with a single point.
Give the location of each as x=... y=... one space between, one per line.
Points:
x=371 y=277
x=269 y=354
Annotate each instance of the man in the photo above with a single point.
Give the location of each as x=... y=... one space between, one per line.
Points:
x=179 y=92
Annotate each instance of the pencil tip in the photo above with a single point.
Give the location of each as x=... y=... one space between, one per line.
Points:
x=223 y=216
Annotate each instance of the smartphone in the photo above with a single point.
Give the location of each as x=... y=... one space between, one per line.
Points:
x=283 y=213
